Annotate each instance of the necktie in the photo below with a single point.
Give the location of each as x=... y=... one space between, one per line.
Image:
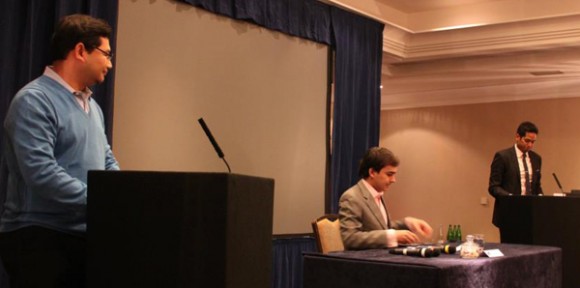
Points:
x=527 y=180
x=383 y=210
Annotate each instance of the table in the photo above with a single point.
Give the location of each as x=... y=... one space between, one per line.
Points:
x=522 y=266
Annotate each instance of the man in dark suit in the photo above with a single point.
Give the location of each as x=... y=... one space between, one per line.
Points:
x=364 y=220
x=516 y=170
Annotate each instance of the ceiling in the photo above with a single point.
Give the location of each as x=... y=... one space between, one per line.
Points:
x=412 y=6
x=451 y=52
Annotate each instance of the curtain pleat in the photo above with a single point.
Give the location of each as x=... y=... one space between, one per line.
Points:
x=287 y=263
x=308 y=19
x=357 y=98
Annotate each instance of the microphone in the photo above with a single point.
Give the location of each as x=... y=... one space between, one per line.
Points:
x=215 y=145
x=425 y=252
x=447 y=248
x=558 y=182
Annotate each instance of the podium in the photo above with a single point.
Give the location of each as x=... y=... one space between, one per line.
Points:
x=173 y=229
x=544 y=220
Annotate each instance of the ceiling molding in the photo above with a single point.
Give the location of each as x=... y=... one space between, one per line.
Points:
x=499 y=43
x=493 y=39
x=480 y=95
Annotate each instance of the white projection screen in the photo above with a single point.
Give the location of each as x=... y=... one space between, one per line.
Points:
x=263 y=94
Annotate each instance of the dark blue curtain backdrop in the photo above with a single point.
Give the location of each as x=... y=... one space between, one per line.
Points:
x=308 y=19
x=357 y=98
x=287 y=263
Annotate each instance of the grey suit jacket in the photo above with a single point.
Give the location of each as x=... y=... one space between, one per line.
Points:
x=361 y=223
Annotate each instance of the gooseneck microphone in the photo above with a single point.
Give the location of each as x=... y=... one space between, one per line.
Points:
x=424 y=252
x=558 y=182
x=215 y=145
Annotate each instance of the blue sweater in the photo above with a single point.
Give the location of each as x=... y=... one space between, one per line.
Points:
x=51 y=144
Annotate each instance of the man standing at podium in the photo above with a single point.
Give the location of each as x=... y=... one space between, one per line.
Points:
x=516 y=170
x=364 y=220
x=54 y=134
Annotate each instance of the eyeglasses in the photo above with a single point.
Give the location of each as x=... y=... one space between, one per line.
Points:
x=109 y=55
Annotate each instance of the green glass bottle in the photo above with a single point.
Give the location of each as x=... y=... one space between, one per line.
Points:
x=449 y=234
x=459 y=238
x=454 y=234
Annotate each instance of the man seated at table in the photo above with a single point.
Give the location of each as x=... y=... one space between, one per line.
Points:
x=364 y=220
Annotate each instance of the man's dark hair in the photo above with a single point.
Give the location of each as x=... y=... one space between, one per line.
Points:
x=376 y=158
x=76 y=28
x=527 y=127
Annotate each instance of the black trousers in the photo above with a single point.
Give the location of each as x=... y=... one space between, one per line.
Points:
x=40 y=257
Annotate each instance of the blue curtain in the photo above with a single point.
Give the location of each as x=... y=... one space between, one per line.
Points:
x=308 y=19
x=357 y=99
x=25 y=30
x=287 y=261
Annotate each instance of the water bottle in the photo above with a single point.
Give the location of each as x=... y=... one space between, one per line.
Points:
x=449 y=234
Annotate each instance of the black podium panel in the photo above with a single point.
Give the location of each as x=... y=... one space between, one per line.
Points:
x=545 y=220
x=170 y=229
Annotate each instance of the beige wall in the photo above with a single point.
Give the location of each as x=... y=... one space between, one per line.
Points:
x=446 y=153
x=262 y=93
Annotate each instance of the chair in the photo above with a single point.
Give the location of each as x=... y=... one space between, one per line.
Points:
x=327 y=233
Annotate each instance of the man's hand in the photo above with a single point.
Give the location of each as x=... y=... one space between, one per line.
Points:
x=406 y=237
x=419 y=227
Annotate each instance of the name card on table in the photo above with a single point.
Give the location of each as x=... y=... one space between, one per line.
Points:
x=491 y=253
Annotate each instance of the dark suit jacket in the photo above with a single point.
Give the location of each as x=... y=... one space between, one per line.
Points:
x=361 y=223
x=504 y=178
